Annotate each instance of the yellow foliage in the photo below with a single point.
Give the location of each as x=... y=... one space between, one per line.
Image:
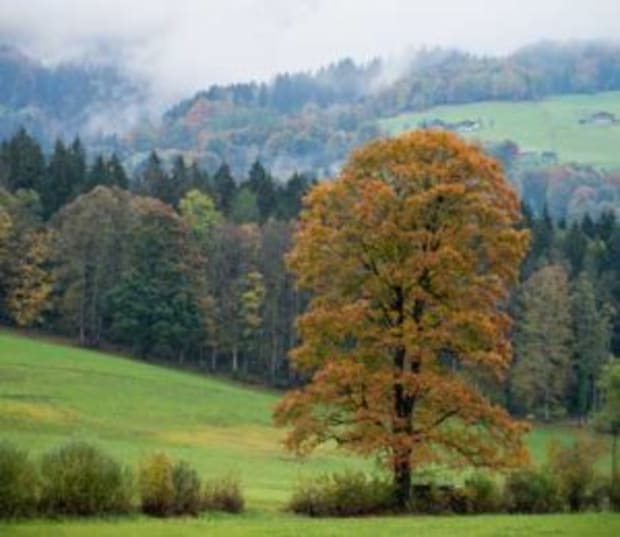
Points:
x=410 y=255
x=33 y=283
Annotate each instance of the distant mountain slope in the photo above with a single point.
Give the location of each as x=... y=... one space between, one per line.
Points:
x=568 y=128
x=310 y=121
x=304 y=121
x=57 y=101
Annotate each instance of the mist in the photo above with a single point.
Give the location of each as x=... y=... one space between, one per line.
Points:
x=177 y=48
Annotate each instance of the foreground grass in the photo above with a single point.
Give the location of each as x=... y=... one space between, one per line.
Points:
x=599 y=525
x=551 y=124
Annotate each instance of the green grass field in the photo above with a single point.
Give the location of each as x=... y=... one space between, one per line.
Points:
x=268 y=524
x=50 y=393
x=550 y=124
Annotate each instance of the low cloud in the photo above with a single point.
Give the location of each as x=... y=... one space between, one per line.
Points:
x=179 y=47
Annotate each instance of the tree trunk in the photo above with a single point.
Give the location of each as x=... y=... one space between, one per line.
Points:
x=403 y=411
x=614 y=459
x=213 y=359
x=235 y=358
x=402 y=479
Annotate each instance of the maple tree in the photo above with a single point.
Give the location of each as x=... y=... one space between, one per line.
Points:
x=410 y=255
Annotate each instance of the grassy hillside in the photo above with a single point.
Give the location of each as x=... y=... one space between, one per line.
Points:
x=49 y=393
x=550 y=124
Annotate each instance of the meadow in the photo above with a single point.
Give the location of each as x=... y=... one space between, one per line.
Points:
x=551 y=124
x=50 y=393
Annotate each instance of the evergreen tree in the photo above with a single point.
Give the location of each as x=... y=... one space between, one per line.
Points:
x=591 y=340
x=97 y=174
x=180 y=180
x=60 y=185
x=542 y=341
x=24 y=162
x=116 y=173
x=224 y=187
x=575 y=248
x=154 y=181
x=262 y=185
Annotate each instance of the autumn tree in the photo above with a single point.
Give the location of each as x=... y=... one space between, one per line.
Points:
x=410 y=254
x=25 y=279
x=541 y=373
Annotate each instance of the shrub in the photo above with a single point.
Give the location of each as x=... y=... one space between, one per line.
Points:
x=223 y=494
x=614 y=493
x=157 y=494
x=573 y=467
x=598 y=496
x=482 y=493
x=432 y=498
x=186 y=487
x=342 y=494
x=18 y=483
x=79 y=479
x=531 y=491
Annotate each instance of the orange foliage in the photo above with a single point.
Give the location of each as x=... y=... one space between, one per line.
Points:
x=410 y=254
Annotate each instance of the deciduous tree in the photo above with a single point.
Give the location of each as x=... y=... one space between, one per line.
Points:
x=410 y=254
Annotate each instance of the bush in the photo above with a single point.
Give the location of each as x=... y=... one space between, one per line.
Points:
x=482 y=493
x=157 y=494
x=342 y=494
x=599 y=493
x=614 y=493
x=79 y=479
x=186 y=487
x=223 y=494
x=434 y=499
x=18 y=483
x=532 y=491
x=573 y=467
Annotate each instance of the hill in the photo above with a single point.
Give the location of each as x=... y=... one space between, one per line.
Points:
x=63 y=100
x=298 y=121
x=567 y=128
x=50 y=393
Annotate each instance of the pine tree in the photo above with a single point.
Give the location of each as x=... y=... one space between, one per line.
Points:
x=224 y=187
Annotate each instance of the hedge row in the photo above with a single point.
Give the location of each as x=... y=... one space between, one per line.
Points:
x=568 y=482
x=81 y=480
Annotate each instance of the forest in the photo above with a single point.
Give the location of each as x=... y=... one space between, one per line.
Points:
x=178 y=265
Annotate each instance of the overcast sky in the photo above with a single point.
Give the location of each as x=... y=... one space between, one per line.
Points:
x=184 y=45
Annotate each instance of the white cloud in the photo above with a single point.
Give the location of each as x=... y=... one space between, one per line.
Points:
x=184 y=45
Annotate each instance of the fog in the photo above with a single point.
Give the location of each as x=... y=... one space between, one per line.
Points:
x=180 y=46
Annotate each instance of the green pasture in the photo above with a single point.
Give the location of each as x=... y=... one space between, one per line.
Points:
x=50 y=393
x=551 y=124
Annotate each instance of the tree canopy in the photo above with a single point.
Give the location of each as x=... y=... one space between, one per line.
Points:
x=410 y=254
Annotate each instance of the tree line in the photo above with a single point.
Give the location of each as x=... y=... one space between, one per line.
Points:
x=172 y=263
x=184 y=266
x=312 y=120
x=567 y=315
